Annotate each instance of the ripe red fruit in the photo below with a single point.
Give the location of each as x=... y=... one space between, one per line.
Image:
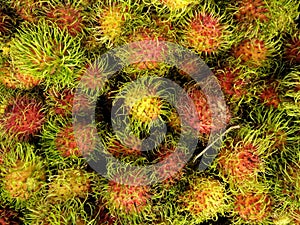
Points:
x=23 y=117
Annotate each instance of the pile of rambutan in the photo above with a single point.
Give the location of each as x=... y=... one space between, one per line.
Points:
x=94 y=129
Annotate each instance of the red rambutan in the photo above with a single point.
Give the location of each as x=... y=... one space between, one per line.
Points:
x=205 y=33
x=250 y=11
x=67 y=17
x=269 y=96
x=239 y=164
x=23 y=117
x=66 y=144
x=231 y=82
x=292 y=50
x=252 y=52
x=253 y=207
x=131 y=147
x=127 y=199
x=202 y=121
x=150 y=51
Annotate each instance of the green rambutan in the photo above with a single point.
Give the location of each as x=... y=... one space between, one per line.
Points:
x=110 y=22
x=45 y=213
x=55 y=58
x=144 y=102
x=173 y=6
x=205 y=199
x=276 y=126
x=22 y=175
x=23 y=117
x=69 y=184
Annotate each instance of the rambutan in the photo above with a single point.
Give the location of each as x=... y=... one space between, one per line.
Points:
x=143 y=101
x=60 y=103
x=242 y=159
x=67 y=16
x=93 y=79
x=292 y=49
x=27 y=9
x=172 y=169
x=253 y=204
x=275 y=126
x=22 y=175
x=9 y=217
x=177 y=4
x=206 y=33
x=126 y=147
x=205 y=199
x=128 y=202
x=270 y=96
x=252 y=52
x=15 y=79
x=291 y=182
x=148 y=50
x=23 y=117
x=44 y=212
x=68 y=184
x=269 y=17
x=6 y=22
x=231 y=81
x=250 y=11
x=111 y=22
x=202 y=121
x=59 y=140
x=55 y=58
x=239 y=164
x=290 y=86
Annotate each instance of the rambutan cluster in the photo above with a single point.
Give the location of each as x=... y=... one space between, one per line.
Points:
x=109 y=109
